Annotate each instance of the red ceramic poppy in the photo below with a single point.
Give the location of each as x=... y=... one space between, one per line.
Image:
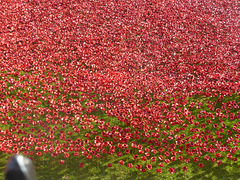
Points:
x=61 y=161
x=81 y=165
x=184 y=168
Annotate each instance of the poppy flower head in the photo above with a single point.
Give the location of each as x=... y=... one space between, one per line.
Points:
x=109 y=165
x=130 y=165
x=81 y=165
x=219 y=162
x=138 y=166
x=184 y=168
x=149 y=166
x=135 y=156
x=200 y=165
x=218 y=155
x=61 y=162
x=158 y=170
x=153 y=159
x=121 y=162
x=172 y=170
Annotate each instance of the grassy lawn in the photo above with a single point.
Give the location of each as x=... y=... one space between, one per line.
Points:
x=48 y=167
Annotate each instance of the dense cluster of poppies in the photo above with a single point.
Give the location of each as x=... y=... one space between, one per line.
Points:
x=152 y=82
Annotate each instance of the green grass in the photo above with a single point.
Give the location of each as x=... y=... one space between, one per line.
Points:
x=49 y=168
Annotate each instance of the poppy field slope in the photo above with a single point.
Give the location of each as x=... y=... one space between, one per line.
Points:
x=121 y=89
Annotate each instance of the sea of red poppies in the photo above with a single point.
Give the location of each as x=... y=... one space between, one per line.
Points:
x=157 y=81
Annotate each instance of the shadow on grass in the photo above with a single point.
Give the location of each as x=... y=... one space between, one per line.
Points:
x=213 y=171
